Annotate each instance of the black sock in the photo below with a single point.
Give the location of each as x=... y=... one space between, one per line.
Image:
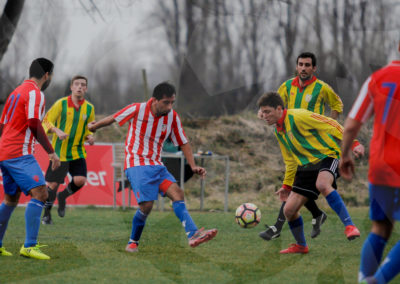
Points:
x=50 y=200
x=313 y=208
x=69 y=190
x=280 y=221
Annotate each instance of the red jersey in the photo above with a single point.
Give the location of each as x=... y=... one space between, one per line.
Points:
x=380 y=95
x=25 y=102
x=146 y=133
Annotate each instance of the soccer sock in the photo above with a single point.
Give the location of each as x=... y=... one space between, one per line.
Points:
x=32 y=221
x=69 y=190
x=390 y=266
x=138 y=223
x=296 y=227
x=52 y=197
x=371 y=255
x=5 y=214
x=280 y=221
x=337 y=204
x=183 y=215
x=313 y=208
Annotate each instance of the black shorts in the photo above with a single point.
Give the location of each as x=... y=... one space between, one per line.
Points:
x=74 y=168
x=306 y=177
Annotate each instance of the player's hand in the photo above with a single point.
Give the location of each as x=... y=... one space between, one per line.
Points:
x=55 y=161
x=346 y=167
x=359 y=151
x=200 y=171
x=60 y=134
x=90 y=139
x=283 y=194
x=91 y=126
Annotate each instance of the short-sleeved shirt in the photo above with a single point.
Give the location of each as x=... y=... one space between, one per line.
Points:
x=312 y=97
x=306 y=138
x=147 y=132
x=380 y=96
x=24 y=103
x=73 y=121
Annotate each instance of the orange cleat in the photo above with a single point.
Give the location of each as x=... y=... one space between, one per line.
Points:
x=295 y=248
x=351 y=232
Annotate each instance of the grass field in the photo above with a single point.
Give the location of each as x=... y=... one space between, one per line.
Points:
x=87 y=246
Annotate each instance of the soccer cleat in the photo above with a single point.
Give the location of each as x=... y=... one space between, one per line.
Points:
x=351 y=232
x=3 y=252
x=46 y=219
x=61 y=205
x=369 y=280
x=316 y=223
x=33 y=252
x=271 y=233
x=202 y=236
x=295 y=248
x=132 y=247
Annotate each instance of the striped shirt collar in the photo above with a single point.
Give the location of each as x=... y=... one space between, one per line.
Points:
x=280 y=126
x=395 y=62
x=296 y=82
x=71 y=103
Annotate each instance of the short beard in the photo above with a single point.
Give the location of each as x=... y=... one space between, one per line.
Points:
x=45 y=85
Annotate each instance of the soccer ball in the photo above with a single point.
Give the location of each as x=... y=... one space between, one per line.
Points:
x=248 y=215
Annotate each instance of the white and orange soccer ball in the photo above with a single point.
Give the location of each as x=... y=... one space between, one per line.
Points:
x=248 y=215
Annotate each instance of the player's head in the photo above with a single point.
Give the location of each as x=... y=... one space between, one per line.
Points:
x=79 y=85
x=306 y=65
x=271 y=107
x=42 y=69
x=164 y=97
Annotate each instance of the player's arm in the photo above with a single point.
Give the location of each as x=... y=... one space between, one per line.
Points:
x=346 y=165
x=94 y=125
x=333 y=100
x=187 y=152
x=49 y=121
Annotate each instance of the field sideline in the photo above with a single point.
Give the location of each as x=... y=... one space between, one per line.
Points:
x=87 y=246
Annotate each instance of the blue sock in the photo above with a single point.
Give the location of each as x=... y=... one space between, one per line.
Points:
x=337 y=204
x=138 y=223
x=5 y=214
x=371 y=255
x=390 y=266
x=183 y=214
x=296 y=227
x=32 y=221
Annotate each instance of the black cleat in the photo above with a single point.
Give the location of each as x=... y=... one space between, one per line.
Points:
x=317 y=223
x=61 y=205
x=46 y=219
x=271 y=233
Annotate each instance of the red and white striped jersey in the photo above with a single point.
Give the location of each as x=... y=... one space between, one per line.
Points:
x=24 y=103
x=147 y=133
x=380 y=96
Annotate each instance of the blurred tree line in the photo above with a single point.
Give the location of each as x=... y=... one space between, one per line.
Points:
x=222 y=55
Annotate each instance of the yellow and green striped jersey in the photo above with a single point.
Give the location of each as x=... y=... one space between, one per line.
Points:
x=73 y=121
x=312 y=97
x=307 y=137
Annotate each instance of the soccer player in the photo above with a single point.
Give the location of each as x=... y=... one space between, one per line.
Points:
x=67 y=119
x=150 y=123
x=308 y=146
x=20 y=125
x=307 y=92
x=379 y=96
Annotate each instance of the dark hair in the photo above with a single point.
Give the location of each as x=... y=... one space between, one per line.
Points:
x=77 y=77
x=39 y=67
x=163 y=89
x=271 y=99
x=308 y=55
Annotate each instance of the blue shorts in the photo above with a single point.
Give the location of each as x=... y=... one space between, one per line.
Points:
x=21 y=173
x=384 y=203
x=148 y=181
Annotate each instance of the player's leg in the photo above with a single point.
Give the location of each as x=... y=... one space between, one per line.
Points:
x=53 y=179
x=78 y=171
x=11 y=198
x=295 y=222
x=326 y=181
x=319 y=217
x=273 y=232
x=138 y=223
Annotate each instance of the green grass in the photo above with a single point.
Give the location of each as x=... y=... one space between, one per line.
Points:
x=87 y=246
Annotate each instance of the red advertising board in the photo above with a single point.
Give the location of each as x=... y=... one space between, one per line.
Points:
x=100 y=178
